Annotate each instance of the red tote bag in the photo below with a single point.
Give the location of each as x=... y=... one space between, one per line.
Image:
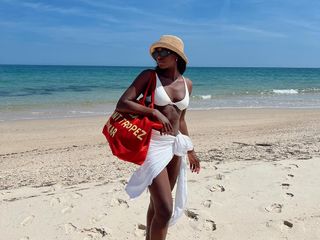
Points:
x=128 y=134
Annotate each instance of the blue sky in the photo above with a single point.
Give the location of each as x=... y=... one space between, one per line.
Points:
x=280 y=33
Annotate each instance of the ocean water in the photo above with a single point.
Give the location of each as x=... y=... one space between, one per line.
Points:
x=35 y=92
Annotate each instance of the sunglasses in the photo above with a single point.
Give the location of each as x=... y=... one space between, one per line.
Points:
x=161 y=53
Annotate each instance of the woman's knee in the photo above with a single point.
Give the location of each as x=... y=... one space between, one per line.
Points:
x=163 y=212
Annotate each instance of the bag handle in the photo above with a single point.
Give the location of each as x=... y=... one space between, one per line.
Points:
x=152 y=85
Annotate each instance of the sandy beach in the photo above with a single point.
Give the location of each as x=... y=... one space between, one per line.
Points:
x=259 y=179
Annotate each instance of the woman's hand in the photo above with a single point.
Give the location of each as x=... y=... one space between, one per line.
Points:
x=167 y=127
x=194 y=161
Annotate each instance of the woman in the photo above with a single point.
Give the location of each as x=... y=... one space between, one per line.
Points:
x=165 y=162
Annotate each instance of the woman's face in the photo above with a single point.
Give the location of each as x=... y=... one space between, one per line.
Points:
x=165 y=58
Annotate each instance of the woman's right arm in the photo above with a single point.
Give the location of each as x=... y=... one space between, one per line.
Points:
x=127 y=102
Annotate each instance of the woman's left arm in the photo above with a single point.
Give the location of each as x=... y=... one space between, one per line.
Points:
x=192 y=156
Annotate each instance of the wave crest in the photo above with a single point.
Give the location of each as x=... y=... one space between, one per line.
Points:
x=285 y=91
x=202 y=97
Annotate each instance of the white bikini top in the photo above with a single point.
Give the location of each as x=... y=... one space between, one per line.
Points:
x=161 y=97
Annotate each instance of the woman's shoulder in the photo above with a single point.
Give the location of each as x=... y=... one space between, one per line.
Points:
x=189 y=83
x=141 y=81
x=147 y=72
x=145 y=75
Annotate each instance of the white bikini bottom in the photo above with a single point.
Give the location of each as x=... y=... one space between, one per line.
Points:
x=161 y=151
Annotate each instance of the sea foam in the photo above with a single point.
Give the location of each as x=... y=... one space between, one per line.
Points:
x=204 y=97
x=285 y=91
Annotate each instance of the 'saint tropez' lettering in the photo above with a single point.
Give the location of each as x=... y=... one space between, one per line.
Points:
x=136 y=131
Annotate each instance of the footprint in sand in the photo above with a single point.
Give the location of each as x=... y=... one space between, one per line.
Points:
x=219 y=176
x=290 y=167
x=285 y=185
x=140 y=230
x=28 y=220
x=289 y=194
x=288 y=224
x=98 y=218
x=216 y=188
x=275 y=208
x=141 y=226
x=279 y=224
x=123 y=182
x=289 y=177
x=122 y=202
x=210 y=225
x=294 y=165
x=95 y=232
x=270 y=223
x=275 y=224
x=207 y=203
x=191 y=214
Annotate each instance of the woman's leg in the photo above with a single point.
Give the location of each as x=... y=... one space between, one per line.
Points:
x=160 y=207
x=150 y=215
x=173 y=170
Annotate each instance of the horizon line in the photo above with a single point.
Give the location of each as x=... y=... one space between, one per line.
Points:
x=89 y=65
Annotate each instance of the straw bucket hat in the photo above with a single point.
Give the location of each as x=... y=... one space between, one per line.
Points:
x=172 y=43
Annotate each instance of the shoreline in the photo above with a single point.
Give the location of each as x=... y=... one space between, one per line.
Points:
x=111 y=107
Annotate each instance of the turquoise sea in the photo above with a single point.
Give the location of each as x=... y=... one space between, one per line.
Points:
x=36 y=92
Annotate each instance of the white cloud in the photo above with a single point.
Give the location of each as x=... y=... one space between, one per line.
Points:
x=50 y=8
x=41 y=7
x=256 y=31
x=113 y=7
x=303 y=24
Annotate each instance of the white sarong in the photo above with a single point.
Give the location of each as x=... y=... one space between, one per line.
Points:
x=161 y=150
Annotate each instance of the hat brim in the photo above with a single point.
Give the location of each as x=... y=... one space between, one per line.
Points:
x=170 y=47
